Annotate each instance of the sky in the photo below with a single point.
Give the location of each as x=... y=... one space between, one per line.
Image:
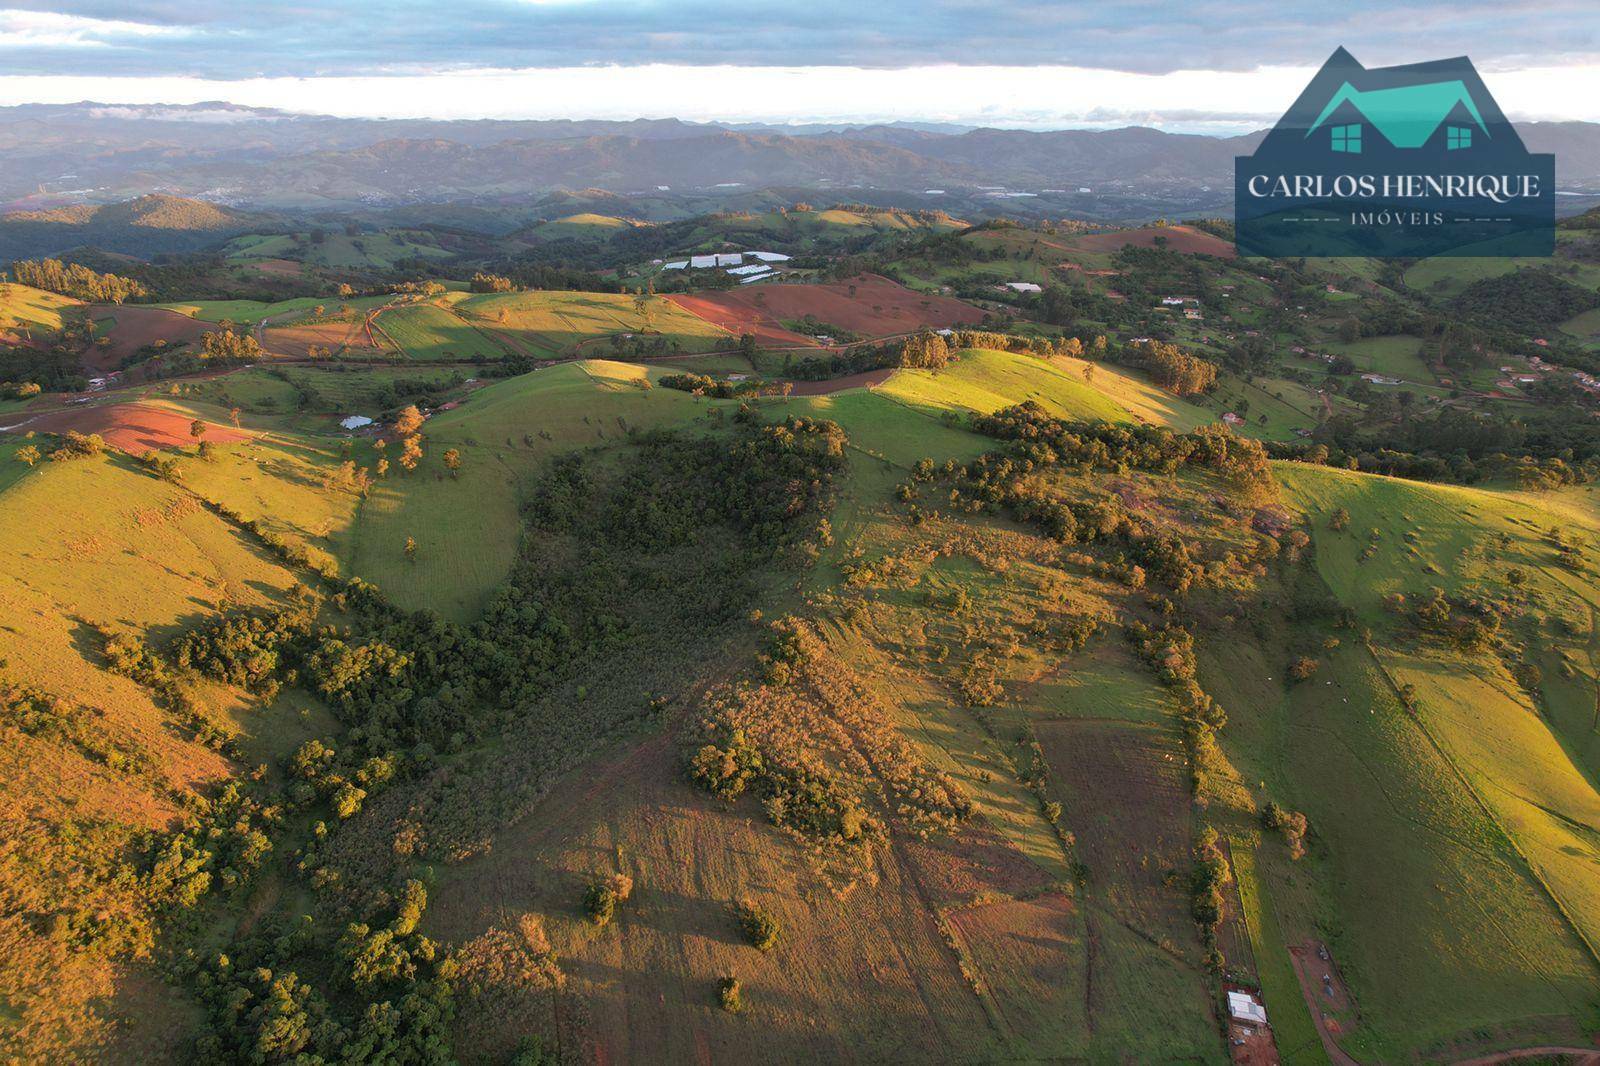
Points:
x=1210 y=66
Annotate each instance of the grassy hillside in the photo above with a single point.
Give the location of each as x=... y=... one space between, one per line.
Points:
x=25 y=309
x=97 y=548
x=552 y=324
x=943 y=745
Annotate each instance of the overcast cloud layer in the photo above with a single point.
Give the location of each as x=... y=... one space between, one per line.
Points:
x=250 y=51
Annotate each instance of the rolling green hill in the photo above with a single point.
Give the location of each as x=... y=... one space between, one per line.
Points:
x=1005 y=711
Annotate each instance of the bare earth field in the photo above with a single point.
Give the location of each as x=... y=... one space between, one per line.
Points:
x=136 y=327
x=869 y=305
x=135 y=428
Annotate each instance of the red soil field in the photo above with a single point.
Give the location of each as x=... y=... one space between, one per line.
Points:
x=294 y=341
x=722 y=309
x=278 y=267
x=135 y=428
x=1179 y=239
x=136 y=327
x=865 y=380
x=871 y=305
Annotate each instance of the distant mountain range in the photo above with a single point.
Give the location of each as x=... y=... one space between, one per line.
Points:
x=256 y=158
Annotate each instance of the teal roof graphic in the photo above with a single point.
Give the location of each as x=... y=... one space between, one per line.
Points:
x=1407 y=115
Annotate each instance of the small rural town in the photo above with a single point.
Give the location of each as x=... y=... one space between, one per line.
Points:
x=600 y=532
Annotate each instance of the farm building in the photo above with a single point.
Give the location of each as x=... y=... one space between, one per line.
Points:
x=1023 y=286
x=753 y=268
x=704 y=262
x=355 y=422
x=1243 y=1007
x=1379 y=379
x=769 y=257
x=676 y=264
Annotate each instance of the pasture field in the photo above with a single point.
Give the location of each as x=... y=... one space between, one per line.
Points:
x=1476 y=771
x=1124 y=792
x=32 y=309
x=1451 y=801
x=982 y=382
x=245 y=312
x=1295 y=1033
x=549 y=325
x=1394 y=356
x=94 y=542
x=1449 y=276
x=466 y=527
x=270 y=394
x=430 y=333
x=583 y=226
x=339 y=251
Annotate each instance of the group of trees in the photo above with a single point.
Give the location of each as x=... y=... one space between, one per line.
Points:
x=1174 y=369
x=226 y=347
x=75 y=280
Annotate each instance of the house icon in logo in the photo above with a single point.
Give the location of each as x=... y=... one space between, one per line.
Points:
x=1394 y=162
x=1406 y=117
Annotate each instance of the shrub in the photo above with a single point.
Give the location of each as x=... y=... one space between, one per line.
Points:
x=600 y=901
x=759 y=926
x=729 y=995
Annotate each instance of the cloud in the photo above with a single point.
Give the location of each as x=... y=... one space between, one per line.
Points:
x=1199 y=101
x=48 y=30
x=242 y=39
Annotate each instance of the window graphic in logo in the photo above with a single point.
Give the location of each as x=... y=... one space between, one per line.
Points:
x=1394 y=162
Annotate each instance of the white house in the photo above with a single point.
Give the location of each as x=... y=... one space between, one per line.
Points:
x=1243 y=1007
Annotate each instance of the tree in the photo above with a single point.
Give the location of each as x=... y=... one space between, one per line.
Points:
x=408 y=421
x=197 y=430
x=383 y=468
x=28 y=453
x=760 y=928
x=411 y=451
x=747 y=345
x=233 y=413
x=411 y=548
x=600 y=901
x=729 y=995
x=452 y=460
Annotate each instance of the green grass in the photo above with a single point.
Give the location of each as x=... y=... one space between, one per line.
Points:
x=1292 y=1027
x=33 y=309
x=583 y=226
x=303 y=398
x=1394 y=356
x=1449 y=276
x=1475 y=807
x=369 y=251
x=430 y=333
x=467 y=527
x=245 y=312
x=550 y=324
x=982 y=382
